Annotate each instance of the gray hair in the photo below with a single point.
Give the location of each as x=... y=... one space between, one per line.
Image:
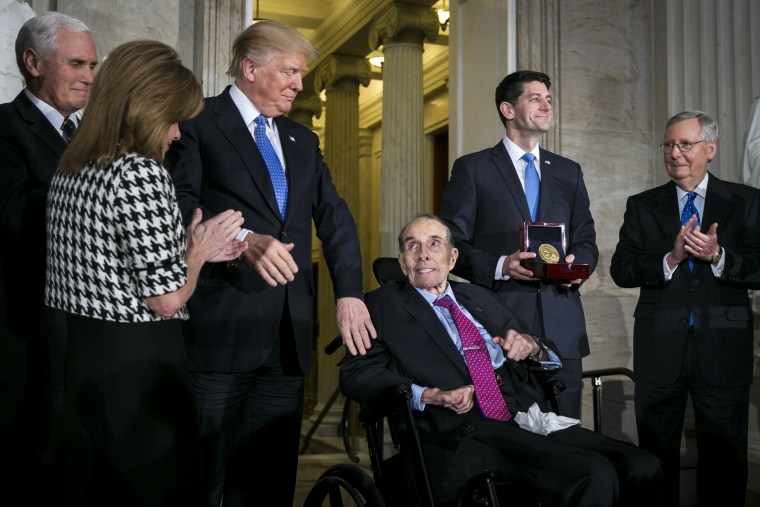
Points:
x=707 y=125
x=261 y=41
x=40 y=33
x=420 y=216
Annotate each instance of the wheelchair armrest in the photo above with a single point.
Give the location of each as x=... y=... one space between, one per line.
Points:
x=552 y=389
x=384 y=404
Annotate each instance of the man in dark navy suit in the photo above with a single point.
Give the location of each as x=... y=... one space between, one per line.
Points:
x=419 y=344
x=57 y=58
x=249 y=335
x=692 y=245
x=485 y=204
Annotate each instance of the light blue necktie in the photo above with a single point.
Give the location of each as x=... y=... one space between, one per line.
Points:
x=688 y=210
x=532 y=184
x=276 y=173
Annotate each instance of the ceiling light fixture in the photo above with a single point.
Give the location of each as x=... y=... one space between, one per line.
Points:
x=443 y=16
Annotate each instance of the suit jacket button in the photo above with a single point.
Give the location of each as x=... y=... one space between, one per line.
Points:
x=283 y=235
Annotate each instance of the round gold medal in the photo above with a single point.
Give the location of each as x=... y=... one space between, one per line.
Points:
x=548 y=253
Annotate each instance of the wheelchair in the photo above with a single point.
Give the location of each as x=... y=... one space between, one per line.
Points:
x=399 y=470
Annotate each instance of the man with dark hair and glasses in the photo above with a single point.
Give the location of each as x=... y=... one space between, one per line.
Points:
x=693 y=247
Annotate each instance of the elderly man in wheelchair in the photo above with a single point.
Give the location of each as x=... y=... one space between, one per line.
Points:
x=440 y=338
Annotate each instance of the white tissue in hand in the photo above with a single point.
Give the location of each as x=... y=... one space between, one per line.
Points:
x=543 y=423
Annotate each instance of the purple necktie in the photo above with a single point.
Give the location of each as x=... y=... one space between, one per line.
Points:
x=489 y=397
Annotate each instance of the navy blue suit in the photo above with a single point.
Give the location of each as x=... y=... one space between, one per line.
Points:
x=573 y=466
x=713 y=361
x=29 y=151
x=484 y=204
x=240 y=327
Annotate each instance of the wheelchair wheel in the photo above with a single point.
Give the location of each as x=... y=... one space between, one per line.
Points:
x=344 y=485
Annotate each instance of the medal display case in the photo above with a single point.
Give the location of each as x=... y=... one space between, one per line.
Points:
x=548 y=241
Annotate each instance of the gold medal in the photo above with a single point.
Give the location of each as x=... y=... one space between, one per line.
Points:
x=548 y=253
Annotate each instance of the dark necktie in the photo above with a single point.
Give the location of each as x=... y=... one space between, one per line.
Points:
x=478 y=361
x=68 y=128
x=276 y=173
x=688 y=210
x=532 y=184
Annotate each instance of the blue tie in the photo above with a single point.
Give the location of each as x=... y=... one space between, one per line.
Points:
x=532 y=184
x=279 y=182
x=688 y=210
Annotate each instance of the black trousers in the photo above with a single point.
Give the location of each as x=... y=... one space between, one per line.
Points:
x=250 y=432
x=570 y=467
x=721 y=420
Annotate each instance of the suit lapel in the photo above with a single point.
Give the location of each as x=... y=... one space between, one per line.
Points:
x=39 y=126
x=294 y=161
x=508 y=173
x=717 y=204
x=666 y=210
x=420 y=310
x=231 y=124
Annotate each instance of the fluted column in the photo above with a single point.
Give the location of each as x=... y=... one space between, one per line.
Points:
x=401 y=29
x=305 y=108
x=340 y=76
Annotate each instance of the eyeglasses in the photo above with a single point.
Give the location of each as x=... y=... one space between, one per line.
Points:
x=684 y=146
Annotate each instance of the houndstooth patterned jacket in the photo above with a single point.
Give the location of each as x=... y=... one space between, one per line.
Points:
x=115 y=237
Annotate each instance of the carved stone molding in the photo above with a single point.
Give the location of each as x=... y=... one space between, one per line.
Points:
x=306 y=107
x=403 y=23
x=336 y=68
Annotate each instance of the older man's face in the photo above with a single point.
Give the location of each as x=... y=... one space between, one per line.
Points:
x=427 y=258
x=63 y=79
x=687 y=169
x=273 y=86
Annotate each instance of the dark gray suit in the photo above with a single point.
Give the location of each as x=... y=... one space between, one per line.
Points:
x=573 y=466
x=714 y=360
x=484 y=205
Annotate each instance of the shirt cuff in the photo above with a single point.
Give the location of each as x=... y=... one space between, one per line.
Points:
x=498 y=275
x=242 y=234
x=666 y=269
x=416 y=395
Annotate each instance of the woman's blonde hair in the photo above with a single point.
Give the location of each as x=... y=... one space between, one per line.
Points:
x=141 y=89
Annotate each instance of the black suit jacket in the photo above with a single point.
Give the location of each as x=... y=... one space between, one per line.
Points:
x=413 y=346
x=484 y=205
x=723 y=326
x=30 y=148
x=235 y=315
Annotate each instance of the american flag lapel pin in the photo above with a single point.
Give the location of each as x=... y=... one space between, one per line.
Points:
x=549 y=162
x=292 y=138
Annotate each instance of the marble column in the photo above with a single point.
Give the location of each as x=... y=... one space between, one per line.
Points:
x=340 y=76
x=401 y=29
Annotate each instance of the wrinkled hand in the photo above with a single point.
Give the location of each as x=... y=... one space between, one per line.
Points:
x=513 y=268
x=214 y=238
x=700 y=245
x=270 y=258
x=517 y=346
x=679 y=253
x=355 y=325
x=459 y=400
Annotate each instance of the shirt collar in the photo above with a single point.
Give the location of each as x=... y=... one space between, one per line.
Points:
x=701 y=189
x=247 y=110
x=430 y=297
x=515 y=152
x=53 y=116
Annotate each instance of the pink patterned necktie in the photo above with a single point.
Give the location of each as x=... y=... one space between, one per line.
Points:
x=478 y=362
